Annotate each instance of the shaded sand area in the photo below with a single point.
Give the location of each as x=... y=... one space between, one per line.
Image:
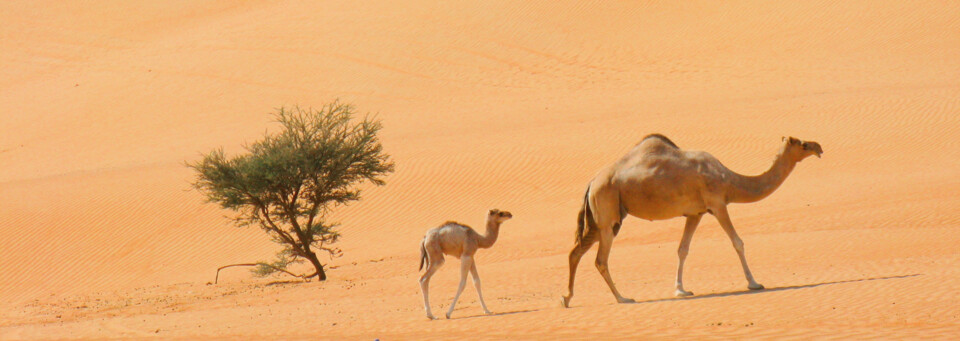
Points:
x=492 y=105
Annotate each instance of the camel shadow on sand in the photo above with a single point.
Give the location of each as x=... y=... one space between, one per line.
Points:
x=721 y=294
x=497 y=314
x=775 y=289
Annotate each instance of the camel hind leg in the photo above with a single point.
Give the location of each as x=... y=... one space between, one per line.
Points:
x=603 y=255
x=575 y=255
x=434 y=262
x=607 y=213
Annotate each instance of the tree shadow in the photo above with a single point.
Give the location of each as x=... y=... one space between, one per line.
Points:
x=284 y=282
x=792 y=287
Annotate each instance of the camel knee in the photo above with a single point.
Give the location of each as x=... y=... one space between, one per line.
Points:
x=601 y=266
x=576 y=254
x=738 y=245
x=682 y=252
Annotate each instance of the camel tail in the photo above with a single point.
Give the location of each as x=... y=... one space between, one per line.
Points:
x=423 y=254
x=585 y=222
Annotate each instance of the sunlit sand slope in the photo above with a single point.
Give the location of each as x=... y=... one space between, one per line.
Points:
x=484 y=105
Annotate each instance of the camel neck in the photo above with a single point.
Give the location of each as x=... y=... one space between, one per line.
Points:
x=489 y=237
x=747 y=189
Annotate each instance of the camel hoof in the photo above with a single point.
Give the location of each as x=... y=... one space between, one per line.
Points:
x=565 y=302
x=431 y=317
x=625 y=300
x=448 y=315
x=683 y=293
x=488 y=312
x=755 y=287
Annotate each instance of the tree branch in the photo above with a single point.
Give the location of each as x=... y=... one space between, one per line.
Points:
x=305 y=278
x=283 y=234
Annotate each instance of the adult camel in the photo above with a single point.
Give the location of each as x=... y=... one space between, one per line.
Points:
x=657 y=180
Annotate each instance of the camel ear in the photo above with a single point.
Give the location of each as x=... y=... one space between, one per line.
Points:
x=794 y=140
x=494 y=211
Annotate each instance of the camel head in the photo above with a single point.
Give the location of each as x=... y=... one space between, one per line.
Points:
x=801 y=149
x=499 y=216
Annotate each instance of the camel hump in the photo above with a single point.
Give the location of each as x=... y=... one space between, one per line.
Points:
x=453 y=223
x=661 y=138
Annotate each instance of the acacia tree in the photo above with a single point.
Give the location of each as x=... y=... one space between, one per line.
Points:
x=287 y=182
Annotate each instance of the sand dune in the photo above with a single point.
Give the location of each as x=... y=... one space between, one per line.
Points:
x=484 y=105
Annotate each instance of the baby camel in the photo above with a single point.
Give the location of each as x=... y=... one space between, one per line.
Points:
x=457 y=240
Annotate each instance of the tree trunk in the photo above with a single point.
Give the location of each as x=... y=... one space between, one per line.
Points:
x=312 y=257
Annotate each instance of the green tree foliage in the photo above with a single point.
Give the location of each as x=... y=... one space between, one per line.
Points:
x=288 y=182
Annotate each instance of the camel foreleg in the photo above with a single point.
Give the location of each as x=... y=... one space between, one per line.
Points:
x=683 y=250
x=724 y=218
x=476 y=283
x=465 y=263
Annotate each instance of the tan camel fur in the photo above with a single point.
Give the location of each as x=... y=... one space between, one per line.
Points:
x=460 y=241
x=657 y=180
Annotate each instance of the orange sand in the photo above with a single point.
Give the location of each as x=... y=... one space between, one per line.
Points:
x=485 y=105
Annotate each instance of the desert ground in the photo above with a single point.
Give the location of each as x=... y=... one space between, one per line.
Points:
x=485 y=104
